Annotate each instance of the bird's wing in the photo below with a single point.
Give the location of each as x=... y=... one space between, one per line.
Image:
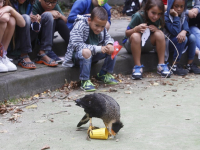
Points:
x=84 y=120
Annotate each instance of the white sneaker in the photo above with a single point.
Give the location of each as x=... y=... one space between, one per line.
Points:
x=3 y=67
x=9 y=64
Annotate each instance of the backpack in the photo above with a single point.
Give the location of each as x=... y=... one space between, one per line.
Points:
x=131 y=7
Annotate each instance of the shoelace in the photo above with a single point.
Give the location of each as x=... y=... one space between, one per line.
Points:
x=108 y=77
x=165 y=67
x=88 y=83
x=137 y=68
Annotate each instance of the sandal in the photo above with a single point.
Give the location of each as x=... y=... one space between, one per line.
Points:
x=41 y=61
x=24 y=64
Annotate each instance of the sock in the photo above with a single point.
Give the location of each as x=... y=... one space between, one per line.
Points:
x=102 y=72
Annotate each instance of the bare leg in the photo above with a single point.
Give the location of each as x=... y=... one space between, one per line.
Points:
x=135 y=40
x=8 y=32
x=158 y=39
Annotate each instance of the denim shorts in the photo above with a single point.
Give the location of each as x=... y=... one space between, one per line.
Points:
x=148 y=47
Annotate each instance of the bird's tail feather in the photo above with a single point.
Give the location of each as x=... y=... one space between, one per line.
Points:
x=84 y=120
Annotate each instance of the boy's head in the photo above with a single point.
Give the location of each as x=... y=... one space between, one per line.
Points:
x=178 y=6
x=48 y=5
x=98 y=19
x=99 y=2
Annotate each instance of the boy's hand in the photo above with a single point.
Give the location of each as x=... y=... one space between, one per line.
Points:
x=193 y=13
x=35 y=18
x=173 y=13
x=110 y=49
x=153 y=28
x=103 y=49
x=56 y=14
x=181 y=36
x=141 y=28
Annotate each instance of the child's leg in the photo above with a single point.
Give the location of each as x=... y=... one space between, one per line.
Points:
x=180 y=47
x=135 y=40
x=46 y=35
x=191 y=43
x=158 y=39
x=23 y=43
x=8 y=32
x=196 y=32
x=61 y=27
x=85 y=60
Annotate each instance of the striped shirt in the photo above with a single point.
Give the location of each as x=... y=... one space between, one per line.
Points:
x=78 y=37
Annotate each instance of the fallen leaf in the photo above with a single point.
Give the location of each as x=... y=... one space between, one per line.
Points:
x=191 y=79
x=155 y=84
x=31 y=106
x=45 y=147
x=174 y=90
x=127 y=92
x=1 y=123
x=3 y=131
x=178 y=105
x=112 y=90
x=187 y=119
x=39 y=121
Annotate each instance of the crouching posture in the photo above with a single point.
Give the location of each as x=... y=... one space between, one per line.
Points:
x=101 y=106
x=90 y=42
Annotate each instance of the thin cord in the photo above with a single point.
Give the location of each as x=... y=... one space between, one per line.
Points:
x=176 y=56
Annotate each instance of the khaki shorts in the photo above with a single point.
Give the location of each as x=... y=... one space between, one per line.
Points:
x=148 y=47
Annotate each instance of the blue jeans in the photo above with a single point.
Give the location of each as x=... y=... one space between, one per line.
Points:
x=25 y=35
x=190 y=41
x=85 y=64
x=196 y=31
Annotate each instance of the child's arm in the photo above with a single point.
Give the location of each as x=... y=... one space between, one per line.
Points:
x=56 y=15
x=172 y=27
x=77 y=36
x=137 y=29
x=19 y=19
x=78 y=8
x=192 y=13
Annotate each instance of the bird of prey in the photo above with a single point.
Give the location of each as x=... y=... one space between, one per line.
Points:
x=101 y=106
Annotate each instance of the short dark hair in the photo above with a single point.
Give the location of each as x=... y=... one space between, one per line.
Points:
x=100 y=13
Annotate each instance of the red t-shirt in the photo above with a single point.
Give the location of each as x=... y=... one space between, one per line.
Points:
x=164 y=2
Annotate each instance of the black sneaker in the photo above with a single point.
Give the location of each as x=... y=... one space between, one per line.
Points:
x=53 y=56
x=178 y=70
x=193 y=68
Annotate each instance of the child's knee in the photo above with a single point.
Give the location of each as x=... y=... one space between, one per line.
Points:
x=192 y=38
x=47 y=16
x=159 y=35
x=86 y=53
x=135 y=37
x=12 y=22
x=27 y=19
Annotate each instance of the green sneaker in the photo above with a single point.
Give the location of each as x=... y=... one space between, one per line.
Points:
x=87 y=86
x=107 y=78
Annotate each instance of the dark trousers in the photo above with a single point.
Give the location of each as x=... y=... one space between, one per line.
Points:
x=195 y=21
x=60 y=26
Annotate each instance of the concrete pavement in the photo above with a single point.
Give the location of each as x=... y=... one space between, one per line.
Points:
x=157 y=115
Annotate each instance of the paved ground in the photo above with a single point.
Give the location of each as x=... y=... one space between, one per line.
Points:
x=157 y=115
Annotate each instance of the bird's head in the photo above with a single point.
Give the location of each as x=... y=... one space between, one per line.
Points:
x=116 y=126
x=85 y=101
